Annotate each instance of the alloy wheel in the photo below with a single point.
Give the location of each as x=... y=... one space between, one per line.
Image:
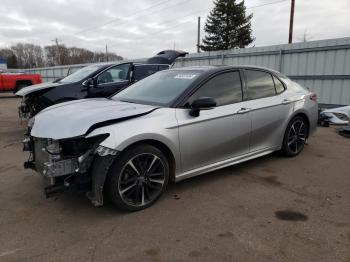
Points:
x=142 y=179
x=297 y=136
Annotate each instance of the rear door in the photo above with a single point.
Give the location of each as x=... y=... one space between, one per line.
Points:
x=219 y=133
x=111 y=81
x=270 y=109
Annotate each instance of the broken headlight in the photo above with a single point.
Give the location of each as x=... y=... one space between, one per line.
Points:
x=79 y=146
x=104 y=151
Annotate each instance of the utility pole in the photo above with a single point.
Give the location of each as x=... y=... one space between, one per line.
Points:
x=291 y=22
x=58 y=55
x=198 y=34
x=106 y=53
x=56 y=40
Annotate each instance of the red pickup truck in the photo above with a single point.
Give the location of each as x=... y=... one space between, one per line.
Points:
x=15 y=81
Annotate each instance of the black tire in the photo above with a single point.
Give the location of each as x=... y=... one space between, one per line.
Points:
x=138 y=177
x=295 y=137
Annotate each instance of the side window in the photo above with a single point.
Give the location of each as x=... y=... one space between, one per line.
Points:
x=278 y=85
x=115 y=74
x=225 y=88
x=260 y=84
x=142 y=71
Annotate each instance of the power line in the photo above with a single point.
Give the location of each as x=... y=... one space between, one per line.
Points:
x=115 y=19
x=170 y=20
x=271 y=3
x=133 y=15
x=196 y=12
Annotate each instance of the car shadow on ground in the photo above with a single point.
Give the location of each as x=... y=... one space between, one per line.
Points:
x=74 y=201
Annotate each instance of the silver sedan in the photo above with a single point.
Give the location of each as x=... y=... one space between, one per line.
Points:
x=175 y=124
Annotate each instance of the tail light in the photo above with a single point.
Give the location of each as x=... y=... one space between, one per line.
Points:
x=313 y=97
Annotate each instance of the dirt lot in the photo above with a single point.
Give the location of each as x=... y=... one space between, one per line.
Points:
x=235 y=214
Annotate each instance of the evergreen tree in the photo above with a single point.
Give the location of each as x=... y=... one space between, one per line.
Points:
x=227 y=26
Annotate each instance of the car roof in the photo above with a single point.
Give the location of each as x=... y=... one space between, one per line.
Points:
x=218 y=68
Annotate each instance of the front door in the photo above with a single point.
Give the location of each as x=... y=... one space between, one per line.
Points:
x=219 y=133
x=111 y=81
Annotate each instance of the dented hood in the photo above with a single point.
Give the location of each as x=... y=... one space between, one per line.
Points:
x=79 y=117
x=30 y=89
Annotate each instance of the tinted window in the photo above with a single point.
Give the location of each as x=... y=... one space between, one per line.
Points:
x=80 y=74
x=278 y=85
x=260 y=84
x=161 y=88
x=224 y=88
x=142 y=71
x=114 y=74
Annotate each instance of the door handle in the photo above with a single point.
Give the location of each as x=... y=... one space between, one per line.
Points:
x=286 y=101
x=243 y=110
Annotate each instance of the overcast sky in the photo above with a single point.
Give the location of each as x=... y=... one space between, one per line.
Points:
x=141 y=28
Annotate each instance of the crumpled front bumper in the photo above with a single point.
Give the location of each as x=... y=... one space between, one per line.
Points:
x=86 y=172
x=24 y=110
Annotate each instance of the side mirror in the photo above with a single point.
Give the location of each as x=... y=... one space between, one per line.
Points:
x=91 y=82
x=202 y=103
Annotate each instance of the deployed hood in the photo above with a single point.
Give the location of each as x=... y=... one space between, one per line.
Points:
x=77 y=118
x=30 y=89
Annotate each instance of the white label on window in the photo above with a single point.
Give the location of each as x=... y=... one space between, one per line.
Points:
x=185 y=76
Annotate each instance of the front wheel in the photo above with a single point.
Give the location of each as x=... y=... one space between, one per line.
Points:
x=138 y=177
x=295 y=136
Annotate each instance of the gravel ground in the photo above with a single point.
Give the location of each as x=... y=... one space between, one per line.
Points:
x=268 y=209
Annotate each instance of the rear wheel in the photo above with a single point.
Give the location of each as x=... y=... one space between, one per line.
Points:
x=138 y=177
x=295 y=136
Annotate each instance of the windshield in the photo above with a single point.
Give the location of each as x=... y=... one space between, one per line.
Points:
x=80 y=74
x=161 y=88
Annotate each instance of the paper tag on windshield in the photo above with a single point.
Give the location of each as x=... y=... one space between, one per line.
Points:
x=185 y=76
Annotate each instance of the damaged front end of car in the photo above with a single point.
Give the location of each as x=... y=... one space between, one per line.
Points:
x=30 y=105
x=71 y=164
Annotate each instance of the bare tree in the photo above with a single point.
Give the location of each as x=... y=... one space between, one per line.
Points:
x=306 y=37
x=24 y=55
x=28 y=55
x=9 y=56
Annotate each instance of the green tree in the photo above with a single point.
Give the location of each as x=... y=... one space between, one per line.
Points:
x=227 y=26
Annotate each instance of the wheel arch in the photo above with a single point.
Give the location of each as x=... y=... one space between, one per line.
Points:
x=18 y=82
x=165 y=149
x=305 y=117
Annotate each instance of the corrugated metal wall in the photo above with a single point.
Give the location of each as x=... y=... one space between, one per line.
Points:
x=322 y=66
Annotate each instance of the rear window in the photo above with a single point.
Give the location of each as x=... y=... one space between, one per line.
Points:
x=278 y=85
x=260 y=84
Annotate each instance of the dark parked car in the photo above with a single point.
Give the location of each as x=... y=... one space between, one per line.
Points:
x=99 y=80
